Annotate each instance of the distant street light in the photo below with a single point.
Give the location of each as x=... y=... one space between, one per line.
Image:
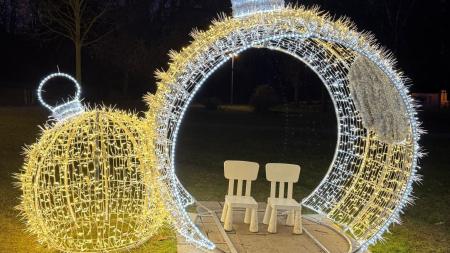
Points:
x=233 y=56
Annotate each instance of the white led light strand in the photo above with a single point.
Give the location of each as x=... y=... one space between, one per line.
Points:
x=247 y=7
x=68 y=109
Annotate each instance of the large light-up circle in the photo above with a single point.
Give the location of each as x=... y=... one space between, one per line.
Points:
x=370 y=179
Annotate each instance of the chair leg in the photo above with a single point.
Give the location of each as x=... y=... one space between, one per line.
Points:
x=267 y=215
x=247 y=216
x=298 y=227
x=254 y=221
x=224 y=212
x=228 y=225
x=290 y=218
x=273 y=221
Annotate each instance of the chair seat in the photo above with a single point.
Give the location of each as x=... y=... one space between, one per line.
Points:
x=241 y=201
x=283 y=203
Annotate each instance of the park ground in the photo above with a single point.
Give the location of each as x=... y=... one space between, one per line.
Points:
x=207 y=138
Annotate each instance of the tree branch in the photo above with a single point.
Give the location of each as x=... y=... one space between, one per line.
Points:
x=59 y=32
x=53 y=17
x=388 y=12
x=91 y=23
x=97 y=39
x=408 y=14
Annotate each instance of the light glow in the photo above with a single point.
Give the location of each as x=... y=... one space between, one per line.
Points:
x=68 y=109
x=247 y=7
x=87 y=185
x=369 y=181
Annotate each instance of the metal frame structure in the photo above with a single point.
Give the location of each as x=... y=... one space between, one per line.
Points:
x=369 y=181
x=86 y=186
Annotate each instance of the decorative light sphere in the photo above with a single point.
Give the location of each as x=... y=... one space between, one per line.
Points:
x=87 y=186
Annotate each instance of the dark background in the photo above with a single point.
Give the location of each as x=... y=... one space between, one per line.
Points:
x=119 y=70
x=415 y=30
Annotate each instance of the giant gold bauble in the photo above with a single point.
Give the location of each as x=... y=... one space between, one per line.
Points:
x=86 y=187
x=86 y=183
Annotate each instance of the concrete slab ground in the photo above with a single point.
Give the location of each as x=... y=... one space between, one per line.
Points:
x=318 y=234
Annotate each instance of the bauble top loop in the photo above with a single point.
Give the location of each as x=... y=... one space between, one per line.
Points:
x=68 y=109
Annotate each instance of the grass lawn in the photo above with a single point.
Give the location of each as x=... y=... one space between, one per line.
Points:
x=207 y=138
x=18 y=126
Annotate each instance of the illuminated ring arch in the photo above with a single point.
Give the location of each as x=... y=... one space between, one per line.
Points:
x=369 y=181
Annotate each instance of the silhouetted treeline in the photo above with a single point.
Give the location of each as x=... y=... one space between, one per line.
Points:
x=143 y=31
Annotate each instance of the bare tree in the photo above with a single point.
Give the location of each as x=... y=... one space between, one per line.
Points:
x=398 y=13
x=17 y=16
x=128 y=54
x=76 y=20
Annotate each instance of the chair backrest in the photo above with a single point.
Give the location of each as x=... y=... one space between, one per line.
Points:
x=283 y=174
x=241 y=171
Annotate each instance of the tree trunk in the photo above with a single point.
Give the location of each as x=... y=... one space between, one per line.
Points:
x=12 y=18
x=78 y=61
x=125 y=84
x=77 y=39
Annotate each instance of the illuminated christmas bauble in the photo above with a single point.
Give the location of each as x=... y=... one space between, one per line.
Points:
x=86 y=183
x=375 y=165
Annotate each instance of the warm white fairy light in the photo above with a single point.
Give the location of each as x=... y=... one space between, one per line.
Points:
x=86 y=184
x=369 y=181
x=68 y=109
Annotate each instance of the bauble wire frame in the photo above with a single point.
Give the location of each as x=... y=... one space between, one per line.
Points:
x=370 y=179
x=86 y=183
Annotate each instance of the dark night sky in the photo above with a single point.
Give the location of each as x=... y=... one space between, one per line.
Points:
x=421 y=47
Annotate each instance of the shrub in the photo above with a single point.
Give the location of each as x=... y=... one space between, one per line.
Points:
x=212 y=103
x=263 y=98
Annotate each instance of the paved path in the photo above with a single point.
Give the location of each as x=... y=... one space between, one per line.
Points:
x=263 y=242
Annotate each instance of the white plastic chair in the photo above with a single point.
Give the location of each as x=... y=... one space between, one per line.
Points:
x=282 y=174
x=242 y=172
